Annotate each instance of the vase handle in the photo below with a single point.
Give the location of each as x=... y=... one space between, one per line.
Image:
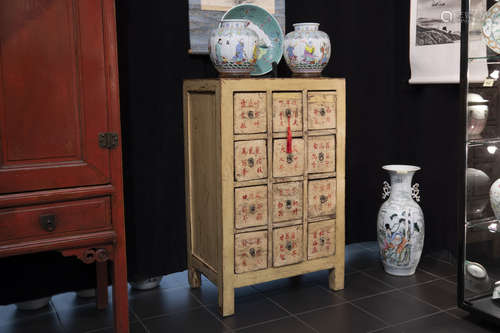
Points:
x=415 y=192
x=386 y=190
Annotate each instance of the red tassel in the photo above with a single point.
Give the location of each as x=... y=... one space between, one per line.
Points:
x=289 y=139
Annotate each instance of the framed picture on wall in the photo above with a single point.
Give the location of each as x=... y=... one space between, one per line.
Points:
x=204 y=15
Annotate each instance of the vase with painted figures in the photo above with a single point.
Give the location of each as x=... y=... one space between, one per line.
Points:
x=234 y=48
x=400 y=223
x=306 y=49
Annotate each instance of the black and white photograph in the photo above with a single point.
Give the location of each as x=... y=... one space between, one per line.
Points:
x=438 y=22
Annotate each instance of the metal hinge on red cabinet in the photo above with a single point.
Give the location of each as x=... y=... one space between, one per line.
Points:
x=108 y=140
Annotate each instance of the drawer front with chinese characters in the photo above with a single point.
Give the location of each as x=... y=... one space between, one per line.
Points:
x=287 y=246
x=287 y=201
x=250 y=251
x=321 y=239
x=322 y=199
x=288 y=164
x=250 y=115
x=250 y=206
x=287 y=109
x=322 y=110
x=321 y=154
x=250 y=160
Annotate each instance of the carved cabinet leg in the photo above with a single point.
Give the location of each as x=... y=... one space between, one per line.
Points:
x=102 y=285
x=336 y=278
x=194 y=278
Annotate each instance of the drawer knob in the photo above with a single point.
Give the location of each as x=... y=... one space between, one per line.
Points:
x=323 y=199
x=252 y=252
x=288 y=204
x=322 y=112
x=289 y=245
x=252 y=209
x=322 y=241
x=48 y=222
x=288 y=113
x=321 y=157
x=251 y=162
x=289 y=158
x=250 y=114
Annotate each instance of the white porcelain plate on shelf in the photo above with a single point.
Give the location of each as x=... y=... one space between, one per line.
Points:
x=491 y=28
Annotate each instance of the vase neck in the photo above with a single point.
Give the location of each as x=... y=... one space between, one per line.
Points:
x=236 y=23
x=401 y=184
x=306 y=26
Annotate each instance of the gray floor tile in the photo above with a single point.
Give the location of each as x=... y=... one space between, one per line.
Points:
x=341 y=318
x=197 y=320
x=396 y=307
x=162 y=302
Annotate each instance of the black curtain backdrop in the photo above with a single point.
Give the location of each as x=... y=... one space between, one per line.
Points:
x=388 y=121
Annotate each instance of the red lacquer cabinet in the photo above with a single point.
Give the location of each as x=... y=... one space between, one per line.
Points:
x=60 y=155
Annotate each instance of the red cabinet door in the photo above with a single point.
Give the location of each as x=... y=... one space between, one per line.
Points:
x=53 y=95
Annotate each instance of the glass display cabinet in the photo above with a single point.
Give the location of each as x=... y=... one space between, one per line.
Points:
x=479 y=201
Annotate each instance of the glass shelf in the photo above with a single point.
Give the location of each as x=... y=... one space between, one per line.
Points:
x=482 y=142
x=482 y=224
x=491 y=59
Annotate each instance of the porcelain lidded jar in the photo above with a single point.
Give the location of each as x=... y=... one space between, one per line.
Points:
x=495 y=198
x=307 y=50
x=477 y=115
x=400 y=222
x=234 y=48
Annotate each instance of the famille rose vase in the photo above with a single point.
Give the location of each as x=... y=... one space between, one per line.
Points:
x=307 y=50
x=233 y=48
x=400 y=223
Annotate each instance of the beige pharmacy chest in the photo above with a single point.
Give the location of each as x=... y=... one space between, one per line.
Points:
x=260 y=206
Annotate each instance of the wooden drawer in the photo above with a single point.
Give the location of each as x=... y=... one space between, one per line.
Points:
x=250 y=251
x=286 y=165
x=322 y=110
x=287 y=246
x=285 y=105
x=321 y=154
x=65 y=217
x=322 y=197
x=287 y=201
x=321 y=239
x=250 y=206
x=250 y=160
x=250 y=114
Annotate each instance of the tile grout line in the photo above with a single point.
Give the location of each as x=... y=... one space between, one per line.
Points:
x=369 y=313
x=291 y=314
x=261 y=323
x=204 y=306
x=57 y=314
x=322 y=308
x=408 y=321
x=402 y=290
x=359 y=298
x=139 y=320
x=172 y=313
